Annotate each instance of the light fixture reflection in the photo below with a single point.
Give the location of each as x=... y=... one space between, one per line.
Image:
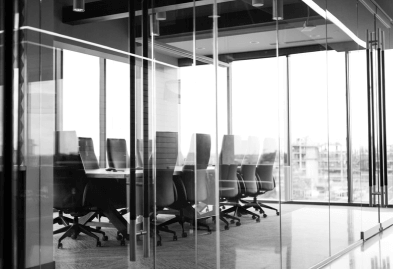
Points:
x=278 y=10
x=79 y=6
x=155 y=25
x=161 y=16
x=257 y=3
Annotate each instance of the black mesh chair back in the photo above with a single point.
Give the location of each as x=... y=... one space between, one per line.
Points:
x=86 y=150
x=166 y=157
x=117 y=153
x=69 y=178
x=264 y=169
x=195 y=167
x=228 y=168
x=248 y=166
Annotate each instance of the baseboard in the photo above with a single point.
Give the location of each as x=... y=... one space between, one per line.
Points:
x=50 y=265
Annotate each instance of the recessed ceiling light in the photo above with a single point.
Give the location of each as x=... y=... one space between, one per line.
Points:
x=258 y=3
x=254 y=42
x=201 y=48
x=78 y=6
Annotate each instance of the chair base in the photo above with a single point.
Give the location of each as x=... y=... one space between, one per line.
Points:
x=240 y=210
x=61 y=220
x=76 y=228
x=223 y=216
x=259 y=206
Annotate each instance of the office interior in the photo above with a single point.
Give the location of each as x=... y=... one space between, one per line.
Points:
x=201 y=134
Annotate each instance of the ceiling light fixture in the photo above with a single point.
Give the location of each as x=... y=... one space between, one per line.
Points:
x=278 y=10
x=201 y=48
x=161 y=15
x=254 y=42
x=307 y=27
x=155 y=26
x=79 y=6
x=258 y=3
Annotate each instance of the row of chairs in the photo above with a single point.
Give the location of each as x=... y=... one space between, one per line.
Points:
x=176 y=191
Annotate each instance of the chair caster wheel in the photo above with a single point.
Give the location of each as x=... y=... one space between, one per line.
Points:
x=122 y=242
x=159 y=244
x=98 y=244
x=175 y=238
x=264 y=215
x=278 y=213
x=238 y=224
x=105 y=238
x=253 y=217
x=239 y=214
x=261 y=212
x=98 y=228
x=223 y=207
x=184 y=234
x=60 y=246
x=258 y=220
x=74 y=236
x=119 y=237
x=226 y=227
x=232 y=221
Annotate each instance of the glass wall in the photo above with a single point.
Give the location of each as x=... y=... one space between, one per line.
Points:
x=218 y=135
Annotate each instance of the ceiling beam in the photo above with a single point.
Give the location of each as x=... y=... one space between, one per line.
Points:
x=112 y=10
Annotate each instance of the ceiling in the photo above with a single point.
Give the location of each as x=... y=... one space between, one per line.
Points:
x=242 y=28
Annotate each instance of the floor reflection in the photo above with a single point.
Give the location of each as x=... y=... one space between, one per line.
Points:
x=375 y=253
x=305 y=234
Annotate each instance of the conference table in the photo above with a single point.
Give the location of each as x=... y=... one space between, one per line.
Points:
x=115 y=218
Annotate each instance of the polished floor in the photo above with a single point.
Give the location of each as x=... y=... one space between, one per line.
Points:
x=375 y=253
x=305 y=234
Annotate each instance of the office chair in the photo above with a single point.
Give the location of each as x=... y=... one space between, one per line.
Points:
x=118 y=158
x=115 y=190
x=264 y=175
x=86 y=150
x=248 y=185
x=194 y=174
x=228 y=183
x=70 y=187
x=166 y=191
x=117 y=153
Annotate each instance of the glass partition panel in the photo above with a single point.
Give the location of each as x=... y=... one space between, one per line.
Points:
x=345 y=220
x=361 y=74
x=75 y=93
x=302 y=35
x=389 y=129
x=248 y=44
